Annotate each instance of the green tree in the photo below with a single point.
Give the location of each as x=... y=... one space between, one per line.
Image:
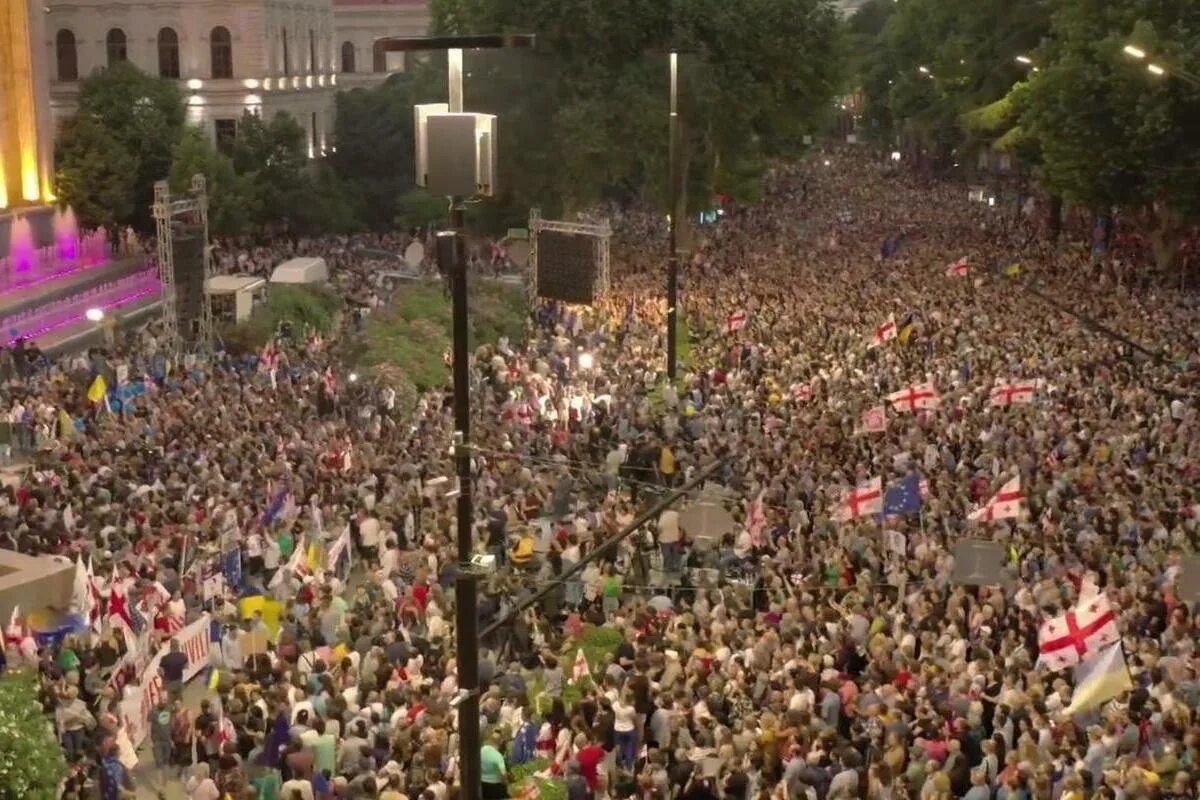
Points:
x=273 y=155
x=935 y=60
x=373 y=145
x=232 y=200
x=32 y=765
x=145 y=115
x=584 y=116
x=1110 y=133
x=97 y=175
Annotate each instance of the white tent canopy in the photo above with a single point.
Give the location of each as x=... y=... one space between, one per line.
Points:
x=301 y=270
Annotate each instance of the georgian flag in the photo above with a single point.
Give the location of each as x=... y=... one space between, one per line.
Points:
x=911 y=398
x=1006 y=394
x=736 y=321
x=1004 y=504
x=863 y=500
x=1079 y=634
x=885 y=332
x=958 y=269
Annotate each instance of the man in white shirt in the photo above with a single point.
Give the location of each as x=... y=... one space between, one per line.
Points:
x=368 y=537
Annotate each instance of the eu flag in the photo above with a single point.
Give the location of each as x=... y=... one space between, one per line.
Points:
x=904 y=497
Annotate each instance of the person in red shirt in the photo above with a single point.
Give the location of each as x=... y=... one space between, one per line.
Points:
x=589 y=757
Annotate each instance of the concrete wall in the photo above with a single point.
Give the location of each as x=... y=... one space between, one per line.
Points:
x=33 y=583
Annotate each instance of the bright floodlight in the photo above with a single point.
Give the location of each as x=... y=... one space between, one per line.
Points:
x=895 y=155
x=1024 y=60
x=827 y=162
x=586 y=360
x=94 y=314
x=923 y=70
x=1155 y=69
x=353 y=377
x=1136 y=52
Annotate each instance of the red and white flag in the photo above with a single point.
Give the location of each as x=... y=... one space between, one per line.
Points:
x=118 y=604
x=14 y=632
x=958 y=269
x=1079 y=634
x=736 y=321
x=923 y=395
x=1008 y=393
x=885 y=332
x=1004 y=504
x=329 y=381
x=802 y=392
x=268 y=361
x=874 y=420
x=580 y=669
x=862 y=500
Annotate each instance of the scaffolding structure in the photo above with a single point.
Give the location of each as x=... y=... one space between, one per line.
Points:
x=194 y=210
x=600 y=233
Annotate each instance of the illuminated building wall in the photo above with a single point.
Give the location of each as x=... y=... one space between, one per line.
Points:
x=25 y=173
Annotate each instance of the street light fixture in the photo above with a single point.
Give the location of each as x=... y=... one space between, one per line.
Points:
x=1024 y=60
x=1136 y=52
x=94 y=314
x=1155 y=69
x=923 y=70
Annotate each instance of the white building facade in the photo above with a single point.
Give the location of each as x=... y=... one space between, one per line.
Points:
x=232 y=56
x=229 y=56
x=360 y=24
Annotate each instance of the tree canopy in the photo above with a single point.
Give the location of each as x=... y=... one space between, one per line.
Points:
x=584 y=116
x=130 y=132
x=1051 y=83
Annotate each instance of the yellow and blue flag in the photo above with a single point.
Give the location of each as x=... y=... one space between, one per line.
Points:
x=98 y=389
x=1101 y=678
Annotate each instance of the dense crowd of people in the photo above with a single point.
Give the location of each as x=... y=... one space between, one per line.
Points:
x=773 y=650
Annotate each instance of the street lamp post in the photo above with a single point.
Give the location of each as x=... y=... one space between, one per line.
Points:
x=451 y=254
x=673 y=194
x=1158 y=67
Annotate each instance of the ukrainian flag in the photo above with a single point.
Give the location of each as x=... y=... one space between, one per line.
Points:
x=1101 y=678
x=906 y=328
x=98 y=389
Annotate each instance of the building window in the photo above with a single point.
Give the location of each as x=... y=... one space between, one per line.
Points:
x=312 y=50
x=379 y=57
x=168 y=53
x=66 y=55
x=226 y=130
x=347 y=56
x=221 y=45
x=115 y=45
x=287 y=59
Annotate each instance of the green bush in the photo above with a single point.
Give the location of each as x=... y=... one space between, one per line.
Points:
x=412 y=335
x=32 y=765
x=303 y=306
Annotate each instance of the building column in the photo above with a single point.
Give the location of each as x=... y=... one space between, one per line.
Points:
x=22 y=157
